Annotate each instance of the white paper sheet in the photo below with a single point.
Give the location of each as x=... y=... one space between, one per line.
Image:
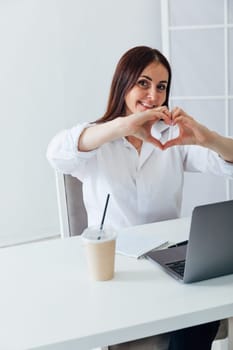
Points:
x=135 y=245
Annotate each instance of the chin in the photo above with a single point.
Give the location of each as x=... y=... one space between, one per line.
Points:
x=141 y=109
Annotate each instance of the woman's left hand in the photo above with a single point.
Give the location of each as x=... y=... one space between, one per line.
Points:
x=190 y=131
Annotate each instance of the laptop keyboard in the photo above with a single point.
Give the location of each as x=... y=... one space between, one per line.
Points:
x=177 y=266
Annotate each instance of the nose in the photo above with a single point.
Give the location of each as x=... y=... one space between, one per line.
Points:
x=152 y=95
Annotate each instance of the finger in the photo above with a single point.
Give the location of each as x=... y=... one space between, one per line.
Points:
x=184 y=120
x=168 y=113
x=176 y=112
x=153 y=115
x=155 y=142
x=165 y=115
x=164 y=110
x=174 y=142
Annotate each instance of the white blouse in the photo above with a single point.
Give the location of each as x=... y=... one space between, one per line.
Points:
x=143 y=188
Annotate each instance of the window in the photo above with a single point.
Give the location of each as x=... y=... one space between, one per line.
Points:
x=197 y=38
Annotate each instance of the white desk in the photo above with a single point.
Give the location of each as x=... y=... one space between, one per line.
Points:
x=47 y=300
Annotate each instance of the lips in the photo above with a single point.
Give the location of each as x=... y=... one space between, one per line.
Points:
x=147 y=105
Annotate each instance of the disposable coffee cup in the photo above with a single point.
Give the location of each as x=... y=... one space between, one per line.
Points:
x=100 y=246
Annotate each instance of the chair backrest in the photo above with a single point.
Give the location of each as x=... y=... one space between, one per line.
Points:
x=72 y=212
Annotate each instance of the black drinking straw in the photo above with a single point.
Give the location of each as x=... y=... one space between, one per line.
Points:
x=104 y=214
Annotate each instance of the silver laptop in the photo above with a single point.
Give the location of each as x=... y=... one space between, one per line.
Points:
x=209 y=250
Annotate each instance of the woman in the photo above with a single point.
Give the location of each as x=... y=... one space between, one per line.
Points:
x=128 y=153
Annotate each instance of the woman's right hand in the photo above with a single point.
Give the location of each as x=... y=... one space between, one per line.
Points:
x=139 y=124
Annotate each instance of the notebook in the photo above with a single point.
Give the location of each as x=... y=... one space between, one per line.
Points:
x=209 y=250
x=133 y=244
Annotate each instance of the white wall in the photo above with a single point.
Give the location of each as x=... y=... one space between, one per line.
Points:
x=56 y=63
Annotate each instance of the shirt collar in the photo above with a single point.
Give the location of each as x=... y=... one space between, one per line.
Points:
x=158 y=128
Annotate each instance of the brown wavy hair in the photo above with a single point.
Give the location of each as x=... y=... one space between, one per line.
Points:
x=127 y=72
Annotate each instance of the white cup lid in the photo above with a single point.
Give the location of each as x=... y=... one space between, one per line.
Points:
x=94 y=234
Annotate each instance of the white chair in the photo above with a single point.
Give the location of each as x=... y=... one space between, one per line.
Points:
x=73 y=220
x=72 y=212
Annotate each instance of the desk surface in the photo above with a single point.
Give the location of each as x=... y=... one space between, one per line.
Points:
x=47 y=300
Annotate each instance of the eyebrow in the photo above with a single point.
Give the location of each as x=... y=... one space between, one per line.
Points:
x=161 y=81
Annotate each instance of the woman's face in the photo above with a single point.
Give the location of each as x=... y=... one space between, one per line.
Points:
x=149 y=91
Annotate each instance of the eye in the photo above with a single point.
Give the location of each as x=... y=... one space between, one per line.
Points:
x=161 y=87
x=143 y=83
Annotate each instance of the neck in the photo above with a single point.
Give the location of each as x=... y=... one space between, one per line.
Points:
x=137 y=143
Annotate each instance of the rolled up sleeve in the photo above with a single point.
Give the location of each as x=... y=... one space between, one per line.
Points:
x=200 y=159
x=62 y=152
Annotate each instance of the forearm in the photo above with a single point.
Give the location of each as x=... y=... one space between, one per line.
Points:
x=98 y=134
x=221 y=145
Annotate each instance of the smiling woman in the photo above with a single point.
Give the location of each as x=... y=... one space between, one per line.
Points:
x=127 y=153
